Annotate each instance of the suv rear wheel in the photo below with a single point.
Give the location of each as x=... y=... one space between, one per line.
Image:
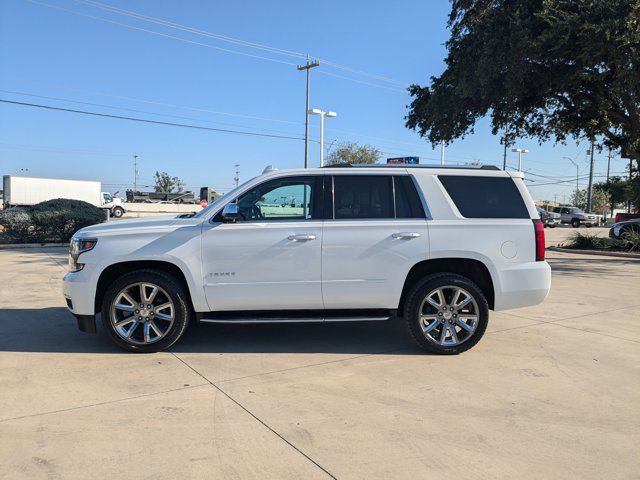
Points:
x=446 y=313
x=145 y=311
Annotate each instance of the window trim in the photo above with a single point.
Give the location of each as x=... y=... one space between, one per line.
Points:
x=318 y=184
x=392 y=176
x=454 y=203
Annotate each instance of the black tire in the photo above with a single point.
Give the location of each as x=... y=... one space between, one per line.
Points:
x=575 y=223
x=174 y=291
x=552 y=226
x=117 y=212
x=416 y=297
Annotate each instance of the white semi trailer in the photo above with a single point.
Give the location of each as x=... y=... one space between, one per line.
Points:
x=24 y=191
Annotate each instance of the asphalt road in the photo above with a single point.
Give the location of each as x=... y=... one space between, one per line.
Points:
x=550 y=392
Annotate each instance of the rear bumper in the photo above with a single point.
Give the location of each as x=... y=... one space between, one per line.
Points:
x=522 y=285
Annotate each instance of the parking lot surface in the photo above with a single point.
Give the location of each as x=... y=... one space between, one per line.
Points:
x=551 y=391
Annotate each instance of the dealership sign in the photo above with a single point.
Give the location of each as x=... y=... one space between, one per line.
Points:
x=404 y=161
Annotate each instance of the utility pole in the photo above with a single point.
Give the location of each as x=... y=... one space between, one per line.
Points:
x=442 y=152
x=504 y=155
x=608 y=164
x=237 y=177
x=308 y=66
x=630 y=170
x=135 y=173
x=590 y=188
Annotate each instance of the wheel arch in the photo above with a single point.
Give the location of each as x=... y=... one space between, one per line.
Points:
x=474 y=270
x=115 y=270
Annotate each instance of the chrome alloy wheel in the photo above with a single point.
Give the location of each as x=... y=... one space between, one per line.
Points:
x=142 y=313
x=449 y=316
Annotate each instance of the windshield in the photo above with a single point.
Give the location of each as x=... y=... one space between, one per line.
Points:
x=223 y=199
x=575 y=210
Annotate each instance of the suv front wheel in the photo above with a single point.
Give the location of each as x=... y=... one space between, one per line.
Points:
x=145 y=311
x=446 y=313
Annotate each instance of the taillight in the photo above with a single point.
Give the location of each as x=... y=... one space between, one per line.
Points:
x=538 y=228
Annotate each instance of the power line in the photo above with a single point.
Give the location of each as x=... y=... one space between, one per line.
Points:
x=237 y=41
x=173 y=37
x=172 y=105
x=131 y=110
x=145 y=120
x=195 y=31
x=186 y=28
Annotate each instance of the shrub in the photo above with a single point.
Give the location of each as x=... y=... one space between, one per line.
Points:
x=17 y=224
x=59 y=219
x=630 y=241
x=587 y=241
x=51 y=221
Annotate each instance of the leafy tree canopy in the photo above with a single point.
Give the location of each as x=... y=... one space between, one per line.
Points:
x=168 y=184
x=551 y=69
x=350 y=152
x=599 y=202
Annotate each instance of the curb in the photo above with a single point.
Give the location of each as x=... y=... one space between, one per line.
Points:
x=595 y=252
x=10 y=246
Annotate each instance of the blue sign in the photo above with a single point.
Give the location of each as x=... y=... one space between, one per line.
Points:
x=403 y=161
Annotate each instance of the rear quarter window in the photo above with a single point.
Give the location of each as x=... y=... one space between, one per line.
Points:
x=485 y=197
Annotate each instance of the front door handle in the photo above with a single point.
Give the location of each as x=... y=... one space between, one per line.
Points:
x=303 y=237
x=406 y=235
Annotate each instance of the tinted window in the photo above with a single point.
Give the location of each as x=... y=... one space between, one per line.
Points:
x=485 y=197
x=362 y=196
x=290 y=198
x=408 y=203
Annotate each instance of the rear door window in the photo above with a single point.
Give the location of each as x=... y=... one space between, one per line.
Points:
x=485 y=197
x=362 y=196
x=408 y=204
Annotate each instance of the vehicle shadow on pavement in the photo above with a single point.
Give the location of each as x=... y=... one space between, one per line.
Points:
x=54 y=330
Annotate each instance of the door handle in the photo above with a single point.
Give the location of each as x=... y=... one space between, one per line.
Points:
x=303 y=237
x=406 y=235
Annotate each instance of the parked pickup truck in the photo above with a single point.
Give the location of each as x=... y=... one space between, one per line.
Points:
x=436 y=247
x=576 y=217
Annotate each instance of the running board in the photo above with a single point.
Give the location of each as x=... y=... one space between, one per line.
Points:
x=243 y=318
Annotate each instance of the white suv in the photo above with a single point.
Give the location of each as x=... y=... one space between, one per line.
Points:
x=438 y=247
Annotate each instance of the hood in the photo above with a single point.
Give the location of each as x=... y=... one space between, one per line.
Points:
x=138 y=224
x=635 y=221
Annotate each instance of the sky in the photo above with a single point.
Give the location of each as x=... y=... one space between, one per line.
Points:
x=230 y=66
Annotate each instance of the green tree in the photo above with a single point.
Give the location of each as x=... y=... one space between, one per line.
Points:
x=599 y=201
x=351 y=152
x=168 y=184
x=551 y=69
x=617 y=189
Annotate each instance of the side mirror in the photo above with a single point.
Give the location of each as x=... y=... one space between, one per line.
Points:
x=230 y=213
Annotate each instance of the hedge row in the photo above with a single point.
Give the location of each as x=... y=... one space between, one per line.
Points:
x=51 y=221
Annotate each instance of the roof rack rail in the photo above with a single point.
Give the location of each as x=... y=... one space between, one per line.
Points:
x=400 y=165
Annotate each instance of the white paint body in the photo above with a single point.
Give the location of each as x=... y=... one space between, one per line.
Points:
x=349 y=264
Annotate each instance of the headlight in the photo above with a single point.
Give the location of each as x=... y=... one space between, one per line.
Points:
x=76 y=247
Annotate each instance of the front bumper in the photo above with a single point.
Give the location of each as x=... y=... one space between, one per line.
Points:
x=79 y=290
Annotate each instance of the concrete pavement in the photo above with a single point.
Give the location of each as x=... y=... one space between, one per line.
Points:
x=550 y=392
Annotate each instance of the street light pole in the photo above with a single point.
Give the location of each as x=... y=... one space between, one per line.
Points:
x=135 y=173
x=520 y=151
x=577 y=173
x=442 y=152
x=322 y=113
x=309 y=65
x=590 y=189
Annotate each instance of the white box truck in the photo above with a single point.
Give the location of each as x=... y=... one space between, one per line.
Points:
x=24 y=191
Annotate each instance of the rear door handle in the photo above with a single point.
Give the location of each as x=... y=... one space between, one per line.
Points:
x=406 y=235
x=303 y=237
